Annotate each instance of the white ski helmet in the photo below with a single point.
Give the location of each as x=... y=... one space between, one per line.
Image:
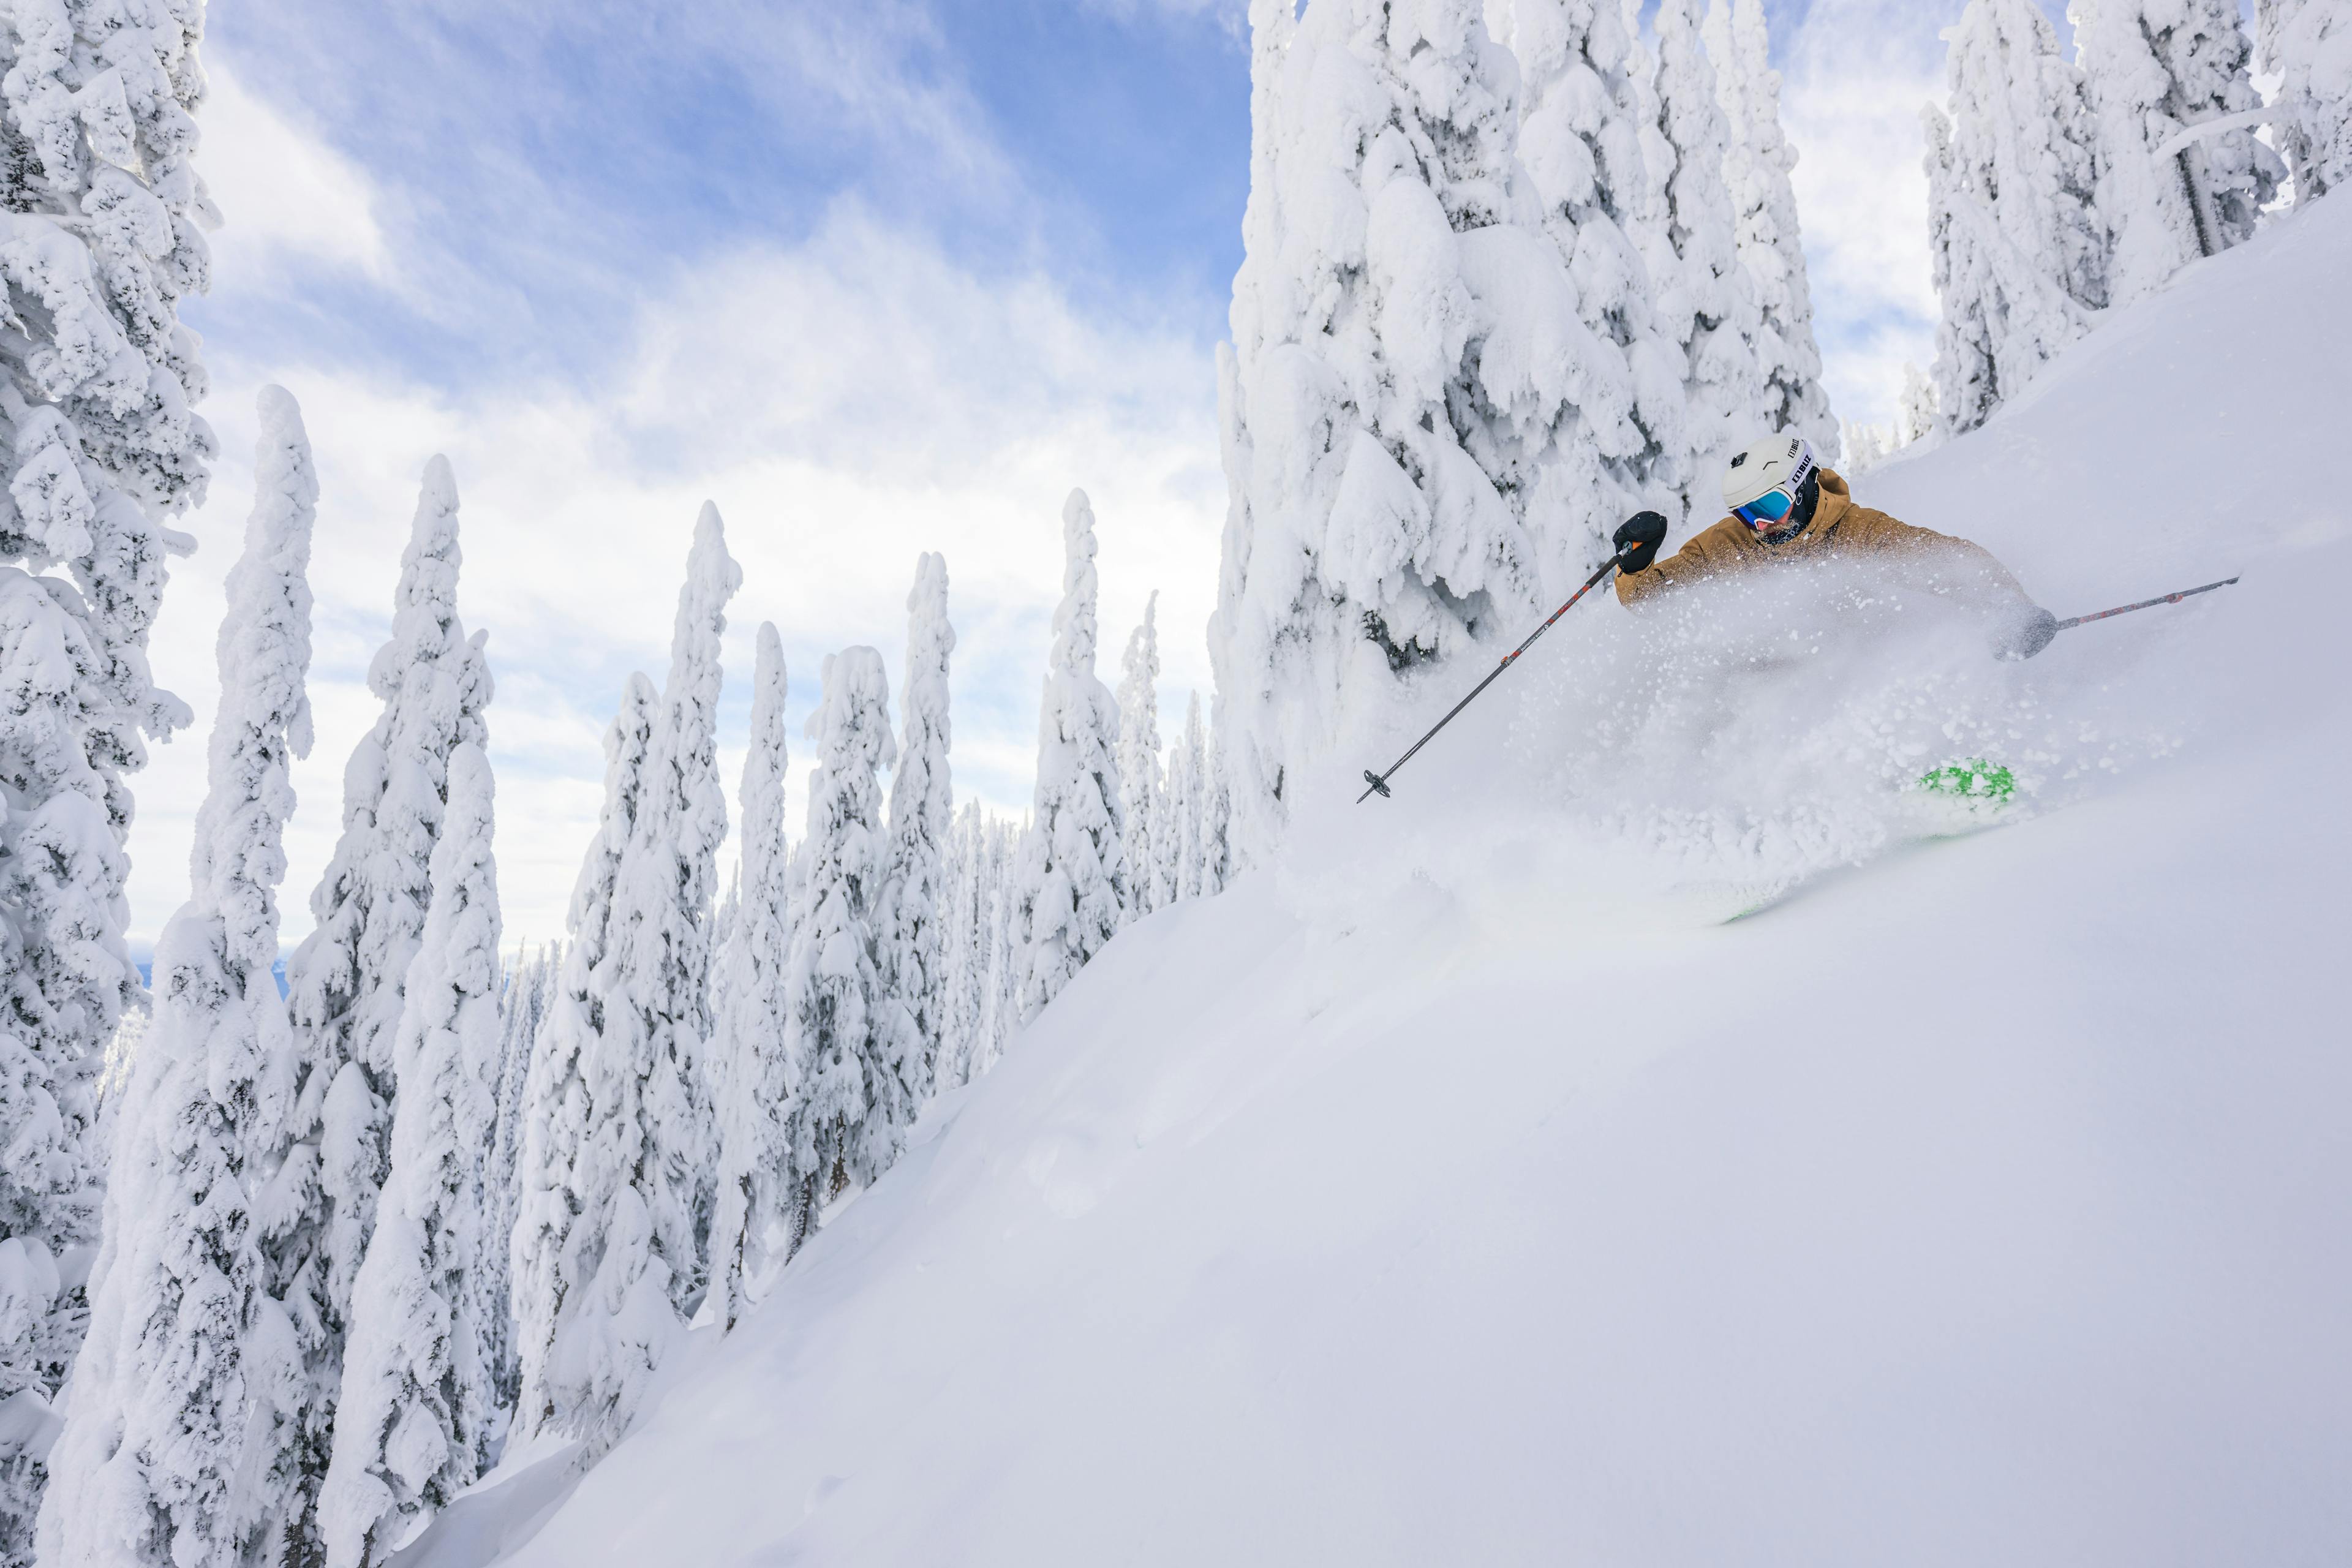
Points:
x=1760 y=486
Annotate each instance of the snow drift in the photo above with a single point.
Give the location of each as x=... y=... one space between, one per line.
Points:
x=1464 y=1190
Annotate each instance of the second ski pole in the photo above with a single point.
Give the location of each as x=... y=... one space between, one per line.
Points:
x=1378 y=784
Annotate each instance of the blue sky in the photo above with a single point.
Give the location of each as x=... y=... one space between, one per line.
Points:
x=877 y=279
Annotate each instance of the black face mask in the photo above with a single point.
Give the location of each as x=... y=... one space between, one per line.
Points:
x=1809 y=501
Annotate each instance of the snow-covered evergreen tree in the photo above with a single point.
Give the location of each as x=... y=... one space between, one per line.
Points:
x=643 y=1168
x=754 y=1037
x=1071 y=889
x=967 y=939
x=1219 y=864
x=413 y=1422
x=347 y=981
x=854 y=1042
x=555 y=1257
x=1916 y=416
x=1865 y=448
x=1179 y=836
x=2307 y=45
x=1139 y=762
x=1584 y=111
x=1770 y=246
x=1706 y=302
x=182 y=1417
x=2152 y=68
x=908 y=919
x=524 y=1001
x=1002 y=914
x=1411 y=389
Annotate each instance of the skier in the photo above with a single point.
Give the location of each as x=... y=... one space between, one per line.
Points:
x=1786 y=506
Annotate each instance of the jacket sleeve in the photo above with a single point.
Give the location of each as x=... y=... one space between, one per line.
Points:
x=1695 y=560
x=1950 y=563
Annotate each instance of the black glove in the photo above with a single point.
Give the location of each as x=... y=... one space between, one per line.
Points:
x=2026 y=632
x=1638 y=539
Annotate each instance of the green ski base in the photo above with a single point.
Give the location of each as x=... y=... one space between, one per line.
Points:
x=1975 y=779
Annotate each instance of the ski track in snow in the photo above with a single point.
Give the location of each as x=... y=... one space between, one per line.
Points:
x=1460 y=1191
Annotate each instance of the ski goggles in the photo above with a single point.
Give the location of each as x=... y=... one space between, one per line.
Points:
x=1772 y=508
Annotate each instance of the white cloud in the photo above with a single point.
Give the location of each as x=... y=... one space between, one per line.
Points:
x=847 y=403
x=287 y=198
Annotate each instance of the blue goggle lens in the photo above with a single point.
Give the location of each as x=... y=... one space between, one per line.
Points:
x=1769 y=507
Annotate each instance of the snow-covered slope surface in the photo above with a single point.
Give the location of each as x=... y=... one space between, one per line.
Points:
x=1466 y=1191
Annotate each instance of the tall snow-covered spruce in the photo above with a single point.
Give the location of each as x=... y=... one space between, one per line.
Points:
x=2307 y=45
x=1073 y=880
x=523 y=1003
x=1765 y=201
x=908 y=917
x=181 y=1419
x=854 y=1042
x=753 y=1035
x=564 y=1198
x=1139 y=762
x=1179 y=850
x=413 y=1424
x=609 y=1252
x=1413 y=407
x=101 y=220
x=347 y=981
x=2020 y=259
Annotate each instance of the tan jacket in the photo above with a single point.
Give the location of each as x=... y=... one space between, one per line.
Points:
x=1943 y=563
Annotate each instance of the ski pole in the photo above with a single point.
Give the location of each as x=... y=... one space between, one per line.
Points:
x=2143 y=605
x=1379 y=783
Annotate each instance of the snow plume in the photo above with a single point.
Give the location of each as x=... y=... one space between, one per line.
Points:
x=613 y=1250
x=1138 y=763
x=181 y=1420
x=2307 y=45
x=855 y=1041
x=2153 y=68
x=2020 y=260
x=346 y=982
x=1072 y=888
x=907 y=922
x=1581 y=139
x=568 y=1181
x=1769 y=244
x=413 y=1425
x=1705 y=301
x=1413 y=403
x=754 y=1039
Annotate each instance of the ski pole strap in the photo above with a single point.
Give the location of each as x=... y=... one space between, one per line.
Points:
x=1377 y=783
x=2145 y=604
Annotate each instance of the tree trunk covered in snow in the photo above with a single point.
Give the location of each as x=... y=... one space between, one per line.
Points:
x=2152 y=68
x=182 y=1429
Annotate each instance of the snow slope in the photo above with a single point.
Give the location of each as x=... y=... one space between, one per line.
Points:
x=1466 y=1191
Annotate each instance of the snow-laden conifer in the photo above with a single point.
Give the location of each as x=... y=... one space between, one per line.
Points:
x=2152 y=68
x=967 y=939
x=346 y=982
x=1406 y=393
x=1770 y=246
x=1071 y=889
x=2307 y=46
x=1180 y=835
x=908 y=918
x=753 y=1035
x=524 y=1001
x=854 y=1042
x=1000 y=917
x=413 y=1422
x=554 y=1252
x=1705 y=301
x=1139 y=762
x=644 y=1167
x=1219 y=864
x=1583 y=108
x=1915 y=416
x=181 y=1420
